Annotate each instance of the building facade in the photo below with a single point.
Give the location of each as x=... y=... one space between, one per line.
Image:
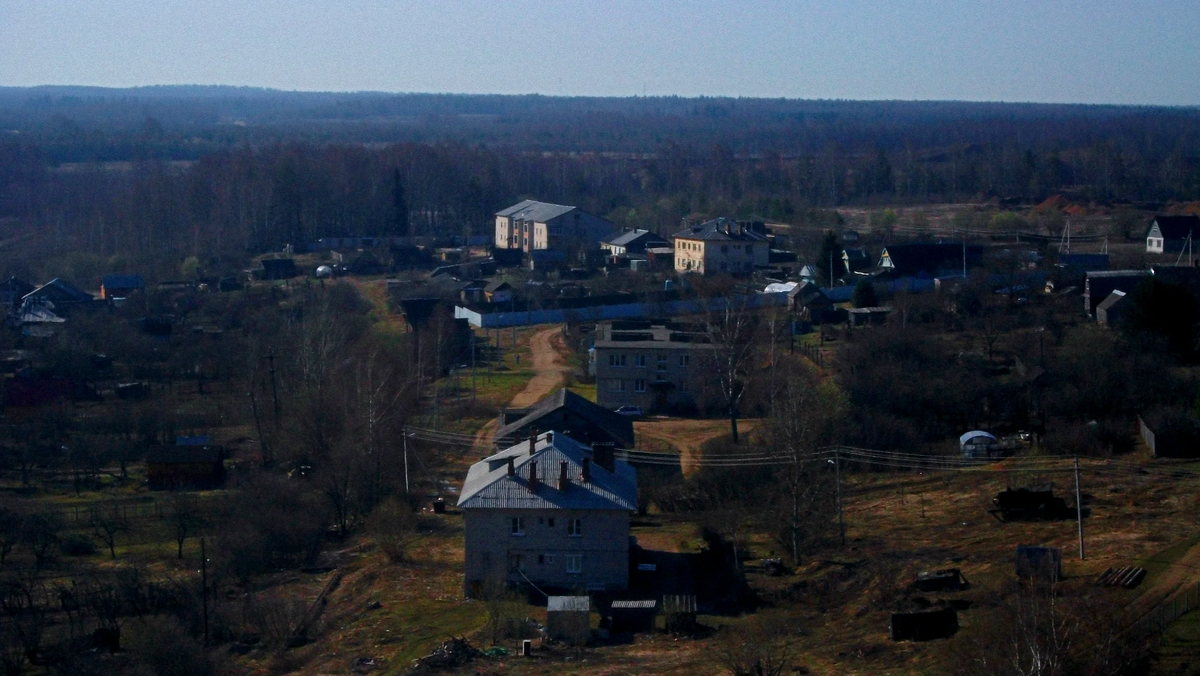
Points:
x=549 y=512
x=1170 y=234
x=655 y=367
x=720 y=246
x=532 y=226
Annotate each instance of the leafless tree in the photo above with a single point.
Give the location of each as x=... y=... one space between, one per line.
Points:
x=107 y=523
x=186 y=518
x=804 y=419
x=760 y=647
x=732 y=328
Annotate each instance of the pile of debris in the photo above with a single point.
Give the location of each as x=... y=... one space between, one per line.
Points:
x=1127 y=577
x=1036 y=503
x=452 y=654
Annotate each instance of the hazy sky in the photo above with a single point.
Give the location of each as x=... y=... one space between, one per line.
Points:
x=1089 y=51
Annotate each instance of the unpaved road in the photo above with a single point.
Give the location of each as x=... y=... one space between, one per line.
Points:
x=686 y=436
x=549 y=373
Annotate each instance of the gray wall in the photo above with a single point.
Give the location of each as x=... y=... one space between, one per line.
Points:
x=604 y=544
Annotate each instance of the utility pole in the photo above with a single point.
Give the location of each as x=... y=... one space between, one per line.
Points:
x=472 y=367
x=837 y=472
x=404 y=433
x=204 y=583
x=831 y=269
x=1079 y=508
x=274 y=389
x=262 y=441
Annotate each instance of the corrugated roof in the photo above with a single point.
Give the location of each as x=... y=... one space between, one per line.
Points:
x=1093 y=274
x=488 y=485
x=715 y=230
x=624 y=238
x=183 y=454
x=568 y=603
x=634 y=604
x=538 y=212
x=516 y=207
x=619 y=427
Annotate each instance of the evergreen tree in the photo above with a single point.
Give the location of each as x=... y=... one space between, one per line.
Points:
x=829 y=259
x=864 y=295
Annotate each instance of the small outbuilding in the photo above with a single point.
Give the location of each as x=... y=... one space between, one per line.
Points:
x=679 y=611
x=925 y=625
x=632 y=616
x=185 y=466
x=864 y=316
x=977 y=444
x=568 y=618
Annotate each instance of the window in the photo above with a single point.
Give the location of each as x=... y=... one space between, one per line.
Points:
x=516 y=562
x=616 y=360
x=550 y=559
x=660 y=377
x=724 y=248
x=575 y=527
x=662 y=362
x=518 y=525
x=541 y=559
x=550 y=522
x=639 y=385
x=684 y=360
x=575 y=563
x=640 y=361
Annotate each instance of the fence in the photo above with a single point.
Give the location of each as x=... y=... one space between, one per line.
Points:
x=1176 y=605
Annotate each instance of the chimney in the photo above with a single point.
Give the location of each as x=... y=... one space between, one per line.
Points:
x=603 y=455
x=532 y=441
x=512 y=468
x=533 y=475
x=587 y=470
x=563 y=481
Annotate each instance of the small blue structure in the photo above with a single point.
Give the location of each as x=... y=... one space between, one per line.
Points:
x=977 y=444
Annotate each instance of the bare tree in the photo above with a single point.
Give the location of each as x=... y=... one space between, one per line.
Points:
x=732 y=328
x=760 y=647
x=40 y=532
x=186 y=518
x=107 y=523
x=803 y=420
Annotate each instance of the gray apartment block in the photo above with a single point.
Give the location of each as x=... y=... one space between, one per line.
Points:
x=553 y=514
x=654 y=366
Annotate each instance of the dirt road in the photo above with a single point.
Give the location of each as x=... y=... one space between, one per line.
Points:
x=549 y=373
x=686 y=436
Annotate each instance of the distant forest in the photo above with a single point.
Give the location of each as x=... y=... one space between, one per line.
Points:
x=157 y=174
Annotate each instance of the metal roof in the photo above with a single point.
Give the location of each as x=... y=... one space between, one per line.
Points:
x=1093 y=274
x=625 y=237
x=568 y=603
x=618 y=427
x=488 y=485
x=720 y=229
x=538 y=212
x=975 y=434
x=634 y=604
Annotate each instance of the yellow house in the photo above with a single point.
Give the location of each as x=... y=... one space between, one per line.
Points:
x=720 y=246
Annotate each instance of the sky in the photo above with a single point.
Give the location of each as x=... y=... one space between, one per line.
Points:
x=1068 y=51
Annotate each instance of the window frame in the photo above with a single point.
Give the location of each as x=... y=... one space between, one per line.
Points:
x=517 y=527
x=575 y=564
x=574 y=528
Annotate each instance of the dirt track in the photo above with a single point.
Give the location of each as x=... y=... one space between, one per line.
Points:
x=549 y=373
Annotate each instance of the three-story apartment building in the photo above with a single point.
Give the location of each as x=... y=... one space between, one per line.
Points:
x=533 y=226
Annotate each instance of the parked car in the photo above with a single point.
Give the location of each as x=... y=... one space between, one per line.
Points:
x=631 y=411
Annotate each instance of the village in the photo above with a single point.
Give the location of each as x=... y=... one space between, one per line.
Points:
x=574 y=445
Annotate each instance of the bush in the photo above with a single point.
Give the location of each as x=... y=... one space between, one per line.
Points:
x=393 y=526
x=162 y=646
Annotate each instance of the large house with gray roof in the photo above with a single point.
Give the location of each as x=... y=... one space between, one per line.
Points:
x=549 y=512
x=721 y=246
x=570 y=414
x=533 y=226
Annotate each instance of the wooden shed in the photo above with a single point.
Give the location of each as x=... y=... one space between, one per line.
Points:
x=171 y=467
x=925 y=625
x=680 y=612
x=568 y=618
x=632 y=616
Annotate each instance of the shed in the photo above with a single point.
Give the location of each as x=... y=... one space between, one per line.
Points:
x=925 y=625
x=568 y=618
x=977 y=444
x=277 y=268
x=1042 y=563
x=946 y=579
x=119 y=286
x=863 y=316
x=170 y=467
x=632 y=616
x=680 y=612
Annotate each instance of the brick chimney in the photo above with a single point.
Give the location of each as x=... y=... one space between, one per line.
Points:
x=533 y=475
x=586 y=470
x=532 y=442
x=512 y=468
x=563 y=481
